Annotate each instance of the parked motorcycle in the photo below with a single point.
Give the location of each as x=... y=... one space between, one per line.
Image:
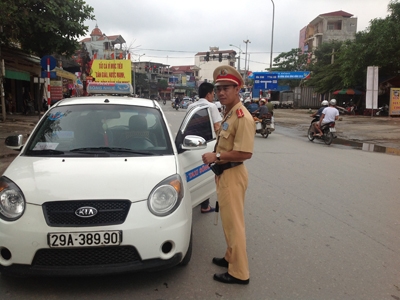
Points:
x=266 y=126
x=328 y=132
x=164 y=101
x=383 y=110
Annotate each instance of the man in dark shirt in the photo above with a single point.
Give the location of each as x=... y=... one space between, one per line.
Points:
x=263 y=110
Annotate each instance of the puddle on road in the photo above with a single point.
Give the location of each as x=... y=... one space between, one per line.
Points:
x=367 y=147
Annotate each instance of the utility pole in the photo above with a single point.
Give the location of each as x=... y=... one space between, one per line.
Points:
x=272 y=35
x=2 y=71
x=245 y=61
x=240 y=52
x=134 y=74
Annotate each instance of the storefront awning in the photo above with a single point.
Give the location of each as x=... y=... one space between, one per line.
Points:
x=18 y=75
x=65 y=74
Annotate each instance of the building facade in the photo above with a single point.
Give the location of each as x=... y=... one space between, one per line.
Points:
x=101 y=46
x=338 y=25
x=208 y=61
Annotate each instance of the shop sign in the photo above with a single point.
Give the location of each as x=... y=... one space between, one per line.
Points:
x=112 y=71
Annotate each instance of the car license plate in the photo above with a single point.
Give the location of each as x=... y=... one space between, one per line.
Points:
x=85 y=239
x=333 y=129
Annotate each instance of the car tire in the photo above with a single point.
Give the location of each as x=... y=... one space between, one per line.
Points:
x=185 y=261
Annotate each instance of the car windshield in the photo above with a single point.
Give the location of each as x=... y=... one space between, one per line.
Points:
x=101 y=130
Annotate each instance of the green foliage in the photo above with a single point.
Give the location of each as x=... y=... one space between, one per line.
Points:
x=162 y=85
x=46 y=26
x=294 y=60
x=325 y=67
x=379 y=45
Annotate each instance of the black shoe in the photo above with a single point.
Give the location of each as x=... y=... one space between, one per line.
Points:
x=226 y=278
x=220 y=262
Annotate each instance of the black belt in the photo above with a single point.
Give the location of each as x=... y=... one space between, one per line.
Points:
x=218 y=169
x=229 y=165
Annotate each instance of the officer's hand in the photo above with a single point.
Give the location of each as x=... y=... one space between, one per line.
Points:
x=209 y=157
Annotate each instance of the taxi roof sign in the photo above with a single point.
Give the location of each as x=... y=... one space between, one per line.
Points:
x=109 y=88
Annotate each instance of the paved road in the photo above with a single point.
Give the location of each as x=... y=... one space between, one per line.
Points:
x=322 y=223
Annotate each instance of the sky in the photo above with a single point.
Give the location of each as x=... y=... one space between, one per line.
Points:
x=172 y=32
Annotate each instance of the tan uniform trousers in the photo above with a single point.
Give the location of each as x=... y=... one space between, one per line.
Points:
x=231 y=189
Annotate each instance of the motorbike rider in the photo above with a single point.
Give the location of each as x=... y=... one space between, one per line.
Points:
x=177 y=101
x=262 y=111
x=329 y=114
x=270 y=106
x=318 y=113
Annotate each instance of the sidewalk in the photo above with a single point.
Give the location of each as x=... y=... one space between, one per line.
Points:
x=382 y=131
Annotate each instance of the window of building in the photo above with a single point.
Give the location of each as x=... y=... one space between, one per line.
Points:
x=335 y=25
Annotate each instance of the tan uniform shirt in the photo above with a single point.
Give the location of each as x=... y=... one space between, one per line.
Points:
x=237 y=133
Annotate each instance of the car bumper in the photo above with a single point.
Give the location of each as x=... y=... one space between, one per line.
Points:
x=148 y=243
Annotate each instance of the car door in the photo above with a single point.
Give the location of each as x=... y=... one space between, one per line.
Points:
x=199 y=177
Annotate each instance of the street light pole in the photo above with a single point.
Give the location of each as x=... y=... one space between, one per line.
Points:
x=272 y=35
x=245 y=61
x=240 y=51
x=134 y=74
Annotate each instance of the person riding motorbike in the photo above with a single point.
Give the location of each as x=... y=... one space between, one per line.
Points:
x=329 y=114
x=318 y=113
x=177 y=101
x=261 y=112
x=270 y=107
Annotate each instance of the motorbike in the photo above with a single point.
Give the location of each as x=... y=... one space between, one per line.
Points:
x=328 y=132
x=164 y=101
x=174 y=105
x=266 y=126
x=383 y=110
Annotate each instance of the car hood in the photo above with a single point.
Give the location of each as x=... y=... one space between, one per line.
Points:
x=52 y=179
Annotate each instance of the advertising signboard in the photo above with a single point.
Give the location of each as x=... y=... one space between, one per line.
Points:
x=394 y=105
x=112 y=70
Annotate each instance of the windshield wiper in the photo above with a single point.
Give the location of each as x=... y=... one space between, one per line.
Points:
x=45 y=152
x=111 y=149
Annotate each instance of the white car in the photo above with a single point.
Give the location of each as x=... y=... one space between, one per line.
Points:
x=101 y=186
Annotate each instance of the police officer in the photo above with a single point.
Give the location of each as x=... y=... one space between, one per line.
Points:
x=234 y=145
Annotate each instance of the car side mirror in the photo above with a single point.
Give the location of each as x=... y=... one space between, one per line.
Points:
x=15 y=142
x=193 y=142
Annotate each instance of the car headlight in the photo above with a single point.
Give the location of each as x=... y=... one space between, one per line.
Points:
x=12 y=200
x=166 y=196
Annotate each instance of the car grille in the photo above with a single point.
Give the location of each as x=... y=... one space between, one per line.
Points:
x=93 y=256
x=62 y=213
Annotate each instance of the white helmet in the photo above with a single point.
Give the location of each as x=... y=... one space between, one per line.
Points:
x=332 y=102
x=247 y=100
x=325 y=103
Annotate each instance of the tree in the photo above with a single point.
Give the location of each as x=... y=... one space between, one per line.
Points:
x=325 y=67
x=378 y=45
x=294 y=60
x=162 y=85
x=44 y=26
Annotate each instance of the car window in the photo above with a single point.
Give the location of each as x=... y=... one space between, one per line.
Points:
x=69 y=129
x=200 y=125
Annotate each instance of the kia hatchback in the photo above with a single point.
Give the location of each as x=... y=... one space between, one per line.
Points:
x=101 y=187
